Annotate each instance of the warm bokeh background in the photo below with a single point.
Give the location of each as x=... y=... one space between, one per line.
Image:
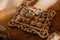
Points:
x=17 y=34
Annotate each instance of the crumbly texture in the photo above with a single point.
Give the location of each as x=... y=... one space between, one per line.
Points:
x=39 y=25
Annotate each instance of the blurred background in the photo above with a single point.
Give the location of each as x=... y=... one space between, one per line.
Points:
x=17 y=34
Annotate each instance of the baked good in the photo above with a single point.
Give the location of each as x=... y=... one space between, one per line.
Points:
x=39 y=24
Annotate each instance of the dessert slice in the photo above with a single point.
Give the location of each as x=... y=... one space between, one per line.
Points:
x=33 y=20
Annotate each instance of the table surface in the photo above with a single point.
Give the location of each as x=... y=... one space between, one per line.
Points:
x=17 y=34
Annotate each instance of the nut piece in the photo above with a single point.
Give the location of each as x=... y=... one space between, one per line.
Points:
x=33 y=23
x=36 y=18
x=31 y=16
x=27 y=15
x=39 y=24
x=23 y=13
x=19 y=19
x=24 y=19
x=41 y=19
x=27 y=20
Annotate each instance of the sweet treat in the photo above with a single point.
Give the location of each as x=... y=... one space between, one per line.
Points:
x=24 y=20
x=28 y=20
x=39 y=24
x=42 y=19
x=31 y=16
x=27 y=15
x=32 y=22
x=36 y=18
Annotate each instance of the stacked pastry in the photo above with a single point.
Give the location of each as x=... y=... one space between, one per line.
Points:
x=32 y=19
